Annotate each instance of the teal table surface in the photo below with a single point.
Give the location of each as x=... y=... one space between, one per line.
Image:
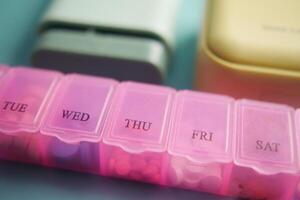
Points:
x=19 y=19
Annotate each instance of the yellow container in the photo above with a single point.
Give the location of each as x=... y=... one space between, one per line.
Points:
x=251 y=48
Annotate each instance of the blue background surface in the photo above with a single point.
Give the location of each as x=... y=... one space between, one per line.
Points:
x=19 y=19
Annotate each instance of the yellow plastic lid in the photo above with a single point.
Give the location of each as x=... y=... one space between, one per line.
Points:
x=255 y=33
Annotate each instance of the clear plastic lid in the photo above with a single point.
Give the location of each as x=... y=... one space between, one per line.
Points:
x=140 y=116
x=24 y=93
x=78 y=108
x=265 y=137
x=202 y=129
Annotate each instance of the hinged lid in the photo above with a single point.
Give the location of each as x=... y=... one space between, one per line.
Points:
x=78 y=108
x=140 y=116
x=265 y=137
x=202 y=129
x=24 y=93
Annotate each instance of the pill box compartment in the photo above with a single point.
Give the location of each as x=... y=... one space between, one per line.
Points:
x=265 y=161
x=136 y=133
x=201 y=142
x=24 y=94
x=73 y=128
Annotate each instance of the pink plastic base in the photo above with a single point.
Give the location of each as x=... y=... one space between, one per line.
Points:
x=22 y=148
x=149 y=133
x=248 y=183
x=82 y=156
x=147 y=167
x=208 y=177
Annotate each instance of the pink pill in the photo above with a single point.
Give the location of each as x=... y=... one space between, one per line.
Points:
x=120 y=154
x=155 y=162
x=155 y=178
x=111 y=164
x=150 y=170
x=122 y=167
x=138 y=164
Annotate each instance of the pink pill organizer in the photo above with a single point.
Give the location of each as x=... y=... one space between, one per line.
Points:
x=149 y=133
